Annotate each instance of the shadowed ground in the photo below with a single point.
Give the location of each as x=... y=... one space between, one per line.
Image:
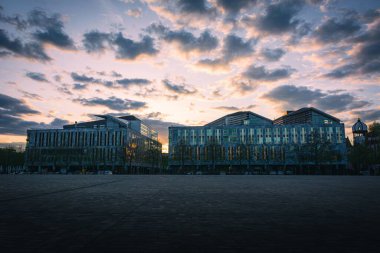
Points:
x=97 y=213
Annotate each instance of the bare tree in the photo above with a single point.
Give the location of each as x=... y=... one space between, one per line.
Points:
x=130 y=152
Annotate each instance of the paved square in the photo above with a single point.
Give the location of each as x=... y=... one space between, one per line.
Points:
x=99 y=213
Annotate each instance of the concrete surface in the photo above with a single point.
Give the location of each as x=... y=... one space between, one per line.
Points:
x=114 y=213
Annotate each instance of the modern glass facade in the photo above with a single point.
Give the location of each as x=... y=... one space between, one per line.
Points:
x=246 y=141
x=113 y=143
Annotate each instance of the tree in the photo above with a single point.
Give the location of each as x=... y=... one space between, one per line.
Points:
x=9 y=157
x=212 y=147
x=130 y=152
x=317 y=151
x=367 y=155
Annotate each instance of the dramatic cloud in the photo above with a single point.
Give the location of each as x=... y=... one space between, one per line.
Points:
x=32 y=50
x=124 y=48
x=365 y=57
x=40 y=77
x=368 y=115
x=191 y=12
x=47 y=29
x=94 y=41
x=272 y=54
x=130 y=50
x=14 y=106
x=186 y=40
x=15 y=20
x=113 y=103
x=10 y=125
x=231 y=8
x=333 y=30
x=50 y=29
x=234 y=47
x=178 y=88
x=11 y=112
x=293 y=97
x=278 y=18
x=262 y=74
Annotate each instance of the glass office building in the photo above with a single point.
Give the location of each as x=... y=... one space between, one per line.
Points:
x=122 y=144
x=306 y=139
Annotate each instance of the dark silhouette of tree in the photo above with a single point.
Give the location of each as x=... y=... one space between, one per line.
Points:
x=367 y=155
x=9 y=157
x=317 y=151
x=180 y=152
x=130 y=152
x=212 y=147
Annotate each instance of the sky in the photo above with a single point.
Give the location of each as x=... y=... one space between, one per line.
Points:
x=185 y=62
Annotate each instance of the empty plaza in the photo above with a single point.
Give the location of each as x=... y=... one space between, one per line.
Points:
x=189 y=213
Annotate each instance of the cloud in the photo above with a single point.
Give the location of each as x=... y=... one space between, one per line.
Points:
x=14 y=107
x=57 y=123
x=370 y=16
x=126 y=82
x=293 y=97
x=31 y=95
x=243 y=85
x=11 y=125
x=130 y=50
x=178 y=88
x=186 y=40
x=333 y=30
x=278 y=18
x=136 y=12
x=213 y=64
x=64 y=89
x=11 y=112
x=260 y=73
x=365 y=56
x=15 y=20
x=272 y=54
x=113 y=103
x=32 y=50
x=124 y=48
x=79 y=86
x=50 y=29
x=84 y=79
x=234 y=108
x=115 y=74
x=232 y=8
x=154 y=115
x=234 y=47
x=94 y=41
x=40 y=77
x=47 y=29
x=192 y=13
x=368 y=115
